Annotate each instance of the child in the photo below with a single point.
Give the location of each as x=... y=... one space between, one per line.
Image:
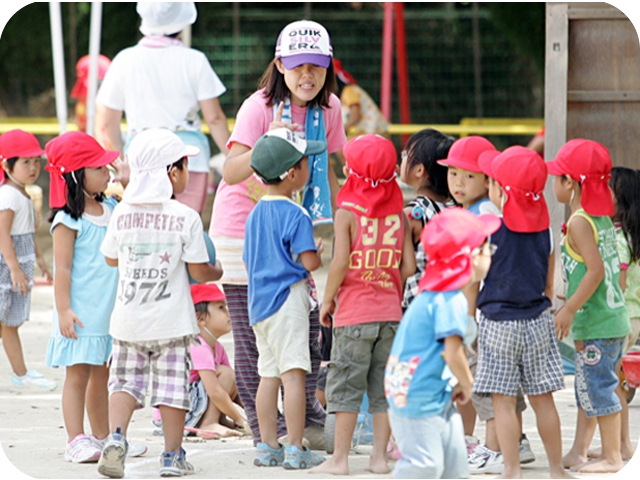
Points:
x=212 y=383
x=516 y=343
x=280 y=91
x=420 y=170
x=428 y=350
x=153 y=240
x=373 y=256
x=595 y=311
x=469 y=187
x=20 y=155
x=279 y=252
x=84 y=288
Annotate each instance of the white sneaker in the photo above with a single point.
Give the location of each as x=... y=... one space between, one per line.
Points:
x=134 y=449
x=33 y=378
x=526 y=454
x=483 y=460
x=81 y=450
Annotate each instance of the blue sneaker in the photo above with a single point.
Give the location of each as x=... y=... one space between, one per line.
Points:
x=173 y=464
x=296 y=459
x=267 y=456
x=111 y=463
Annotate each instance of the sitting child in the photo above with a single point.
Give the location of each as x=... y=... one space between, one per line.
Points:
x=212 y=382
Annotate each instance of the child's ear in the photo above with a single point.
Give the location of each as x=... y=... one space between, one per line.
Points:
x=420 y=170
x=345 y=170
x=278 y=63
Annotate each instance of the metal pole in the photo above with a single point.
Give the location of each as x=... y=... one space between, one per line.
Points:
x=477 y=63
x=236 y=54
x=403 y=70
x=58 y=65
x=94 y=51
x=387 y=61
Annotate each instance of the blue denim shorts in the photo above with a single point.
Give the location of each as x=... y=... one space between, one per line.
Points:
x=596 y=378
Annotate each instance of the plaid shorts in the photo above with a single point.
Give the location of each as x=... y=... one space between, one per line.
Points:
x=169 y=361
x=14 y=307
x=514 y=353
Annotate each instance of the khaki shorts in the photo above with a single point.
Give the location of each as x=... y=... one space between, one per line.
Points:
x=283 y=338
x=359 y=356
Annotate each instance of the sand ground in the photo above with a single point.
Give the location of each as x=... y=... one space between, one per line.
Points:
x=33 y=437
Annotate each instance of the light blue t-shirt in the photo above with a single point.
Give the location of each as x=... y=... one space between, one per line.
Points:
x=484 y=206
x=417 y=377
x=276 y=233
x=93 y=294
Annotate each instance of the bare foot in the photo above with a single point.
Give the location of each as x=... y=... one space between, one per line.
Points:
x=571 y=460
x=598 y=466
x=221 y=430
x=560 y=474
x=626 y=452
x=378 y=466
x=330 y=466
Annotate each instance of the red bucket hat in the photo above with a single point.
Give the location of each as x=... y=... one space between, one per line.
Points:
x=588 y=163
x=464 y=153
x=522 y=174
x=448 y=240
x=206 y=292
x=18 y=143
x=69 y=152
x=371 y=188
x=81 y=87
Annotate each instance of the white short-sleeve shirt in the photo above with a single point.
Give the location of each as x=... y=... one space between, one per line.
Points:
x=153 y=243
x=159 y=87
x=24 y=218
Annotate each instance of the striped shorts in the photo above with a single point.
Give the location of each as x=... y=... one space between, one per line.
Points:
x=164 y=363
x=518 y=353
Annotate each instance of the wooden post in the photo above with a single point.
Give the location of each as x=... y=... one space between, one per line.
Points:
x=402 y=66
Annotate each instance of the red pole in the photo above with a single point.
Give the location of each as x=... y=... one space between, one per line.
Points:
x=401 y=65
x=387 y=61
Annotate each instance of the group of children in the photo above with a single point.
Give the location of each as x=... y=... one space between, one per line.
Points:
x=401 y=296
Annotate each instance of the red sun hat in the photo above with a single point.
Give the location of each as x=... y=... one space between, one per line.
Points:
x=81 y=87
x=69 y=152
x=464 y=153
x=589 y=163
x=18 y=143
x=448 y=240
x=206 y=292
x=371 y=188
x=522 y=174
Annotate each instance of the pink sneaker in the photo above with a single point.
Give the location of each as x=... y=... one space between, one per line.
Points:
x=472 y=443
x=393 y=451
x=81 y=450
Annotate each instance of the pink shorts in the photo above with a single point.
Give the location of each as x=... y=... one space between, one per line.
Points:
x=195 y=194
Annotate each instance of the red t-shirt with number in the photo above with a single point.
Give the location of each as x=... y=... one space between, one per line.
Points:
x=372 y=288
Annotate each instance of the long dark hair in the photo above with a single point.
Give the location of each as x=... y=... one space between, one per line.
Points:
x=276 y=90
x=76 y=200
x=427 y=147
x=625 y=185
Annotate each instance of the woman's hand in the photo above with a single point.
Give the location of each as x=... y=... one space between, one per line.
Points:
x=66 y=321
x=278 y=123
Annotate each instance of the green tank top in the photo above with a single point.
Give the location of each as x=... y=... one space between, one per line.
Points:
x=605 y=314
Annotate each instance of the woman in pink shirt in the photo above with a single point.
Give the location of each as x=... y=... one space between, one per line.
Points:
x=295 y=92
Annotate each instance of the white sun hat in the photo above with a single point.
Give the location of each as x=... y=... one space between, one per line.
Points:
x=166 y=18
x=149 y=155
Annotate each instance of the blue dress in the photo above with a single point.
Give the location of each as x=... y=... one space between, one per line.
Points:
x=93 y=294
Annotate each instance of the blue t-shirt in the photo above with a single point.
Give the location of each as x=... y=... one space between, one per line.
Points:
x=417 y=378
x=515 y=285
x=276 y=233
x=484 y=206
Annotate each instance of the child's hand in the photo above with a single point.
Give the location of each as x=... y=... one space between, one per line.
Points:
x=122 y=171
x=325 y=310
x=20 y=281
x=461 y=394
x=243 y=428
x=66 y=321
x=562 y=321
x=42 y=265
x=278 y=123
